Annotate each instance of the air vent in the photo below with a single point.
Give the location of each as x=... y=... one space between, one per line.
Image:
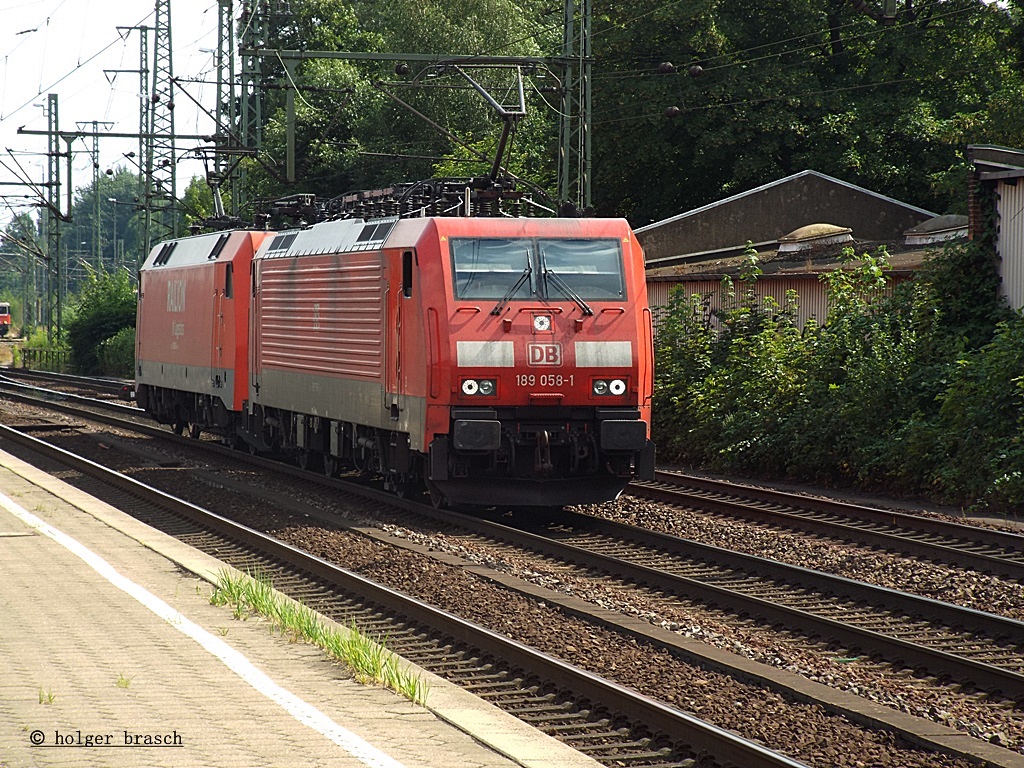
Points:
x=282 y=242
x=219 y=246
x=165 y=253
x=373 y=234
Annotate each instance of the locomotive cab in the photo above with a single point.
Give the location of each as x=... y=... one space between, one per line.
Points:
x=550 y=363
x=5 y=318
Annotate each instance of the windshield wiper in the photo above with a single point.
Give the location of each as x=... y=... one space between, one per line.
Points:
x=558 y=281
x=512 y=291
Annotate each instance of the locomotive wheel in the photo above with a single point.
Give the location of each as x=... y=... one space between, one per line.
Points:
x=310 y=460
x=436 y=499
x=178 y=427
x=402 y=485
x=194 y=431
x=330 y=466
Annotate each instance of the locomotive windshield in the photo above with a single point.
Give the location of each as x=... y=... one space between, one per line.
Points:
x=506 y=269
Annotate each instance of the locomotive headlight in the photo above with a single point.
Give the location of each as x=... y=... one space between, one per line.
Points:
x=541 y=323
x=484 y=387
x=602 y=387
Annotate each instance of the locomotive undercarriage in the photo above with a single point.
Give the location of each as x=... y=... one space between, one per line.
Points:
x=186 y=412
x=539 y=456
x=515 y=456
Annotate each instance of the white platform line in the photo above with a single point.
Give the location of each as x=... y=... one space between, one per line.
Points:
x=302 y=711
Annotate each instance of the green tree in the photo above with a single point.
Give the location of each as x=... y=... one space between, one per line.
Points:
x=351 y=135
x=120 y=224
x=797 y=85
x=104 y=308
x=21 y=262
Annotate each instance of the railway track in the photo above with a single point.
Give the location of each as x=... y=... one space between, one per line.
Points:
x=90 y=387
x=947 y=641
x=569 y=526
x=985 y=550
x=614 y=725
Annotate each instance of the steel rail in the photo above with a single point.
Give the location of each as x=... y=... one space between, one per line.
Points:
x=702 y=738
x=958 y=538
x=935 y=661
x=107 y=384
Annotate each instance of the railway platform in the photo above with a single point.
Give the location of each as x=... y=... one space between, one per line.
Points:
x=112 y=655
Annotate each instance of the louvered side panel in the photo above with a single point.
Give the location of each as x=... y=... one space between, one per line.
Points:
x=324 y=315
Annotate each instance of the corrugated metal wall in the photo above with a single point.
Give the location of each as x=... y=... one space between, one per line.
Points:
x=811 y=301
x=1010 y=242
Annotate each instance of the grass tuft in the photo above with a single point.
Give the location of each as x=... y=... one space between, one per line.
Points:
x=368 y=659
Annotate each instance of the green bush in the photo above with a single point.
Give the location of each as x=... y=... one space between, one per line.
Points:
x=105 y=307
x=904 y=391
x=117 y=354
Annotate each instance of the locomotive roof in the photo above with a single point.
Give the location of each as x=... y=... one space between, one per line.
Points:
x=341 y=236
x=348 y=235
x=186 y=251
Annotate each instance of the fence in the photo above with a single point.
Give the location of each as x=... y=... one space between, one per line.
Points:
x=56 y=360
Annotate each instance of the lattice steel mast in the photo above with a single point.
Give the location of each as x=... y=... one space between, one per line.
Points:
x=574 y=151
x=225 y=169
x=161 y=168
x=54 y=280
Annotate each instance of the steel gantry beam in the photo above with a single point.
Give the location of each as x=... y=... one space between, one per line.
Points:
x=574 y=149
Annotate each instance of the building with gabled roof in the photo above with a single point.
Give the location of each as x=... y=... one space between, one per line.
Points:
x=798 y=226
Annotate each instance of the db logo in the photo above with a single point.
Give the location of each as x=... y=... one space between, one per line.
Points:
x=544 y=354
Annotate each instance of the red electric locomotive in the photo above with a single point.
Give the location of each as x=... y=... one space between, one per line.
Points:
x=5 y=318
x=491 y=360
x=192 y=330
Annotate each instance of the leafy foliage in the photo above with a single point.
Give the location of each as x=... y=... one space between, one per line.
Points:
x=918 y=390
x=117 y=354
x=801 y=85
x=104 y=309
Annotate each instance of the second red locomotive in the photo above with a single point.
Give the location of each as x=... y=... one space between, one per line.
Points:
x=491 y=360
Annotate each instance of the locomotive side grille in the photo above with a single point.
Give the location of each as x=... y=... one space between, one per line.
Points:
x=319 y=318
